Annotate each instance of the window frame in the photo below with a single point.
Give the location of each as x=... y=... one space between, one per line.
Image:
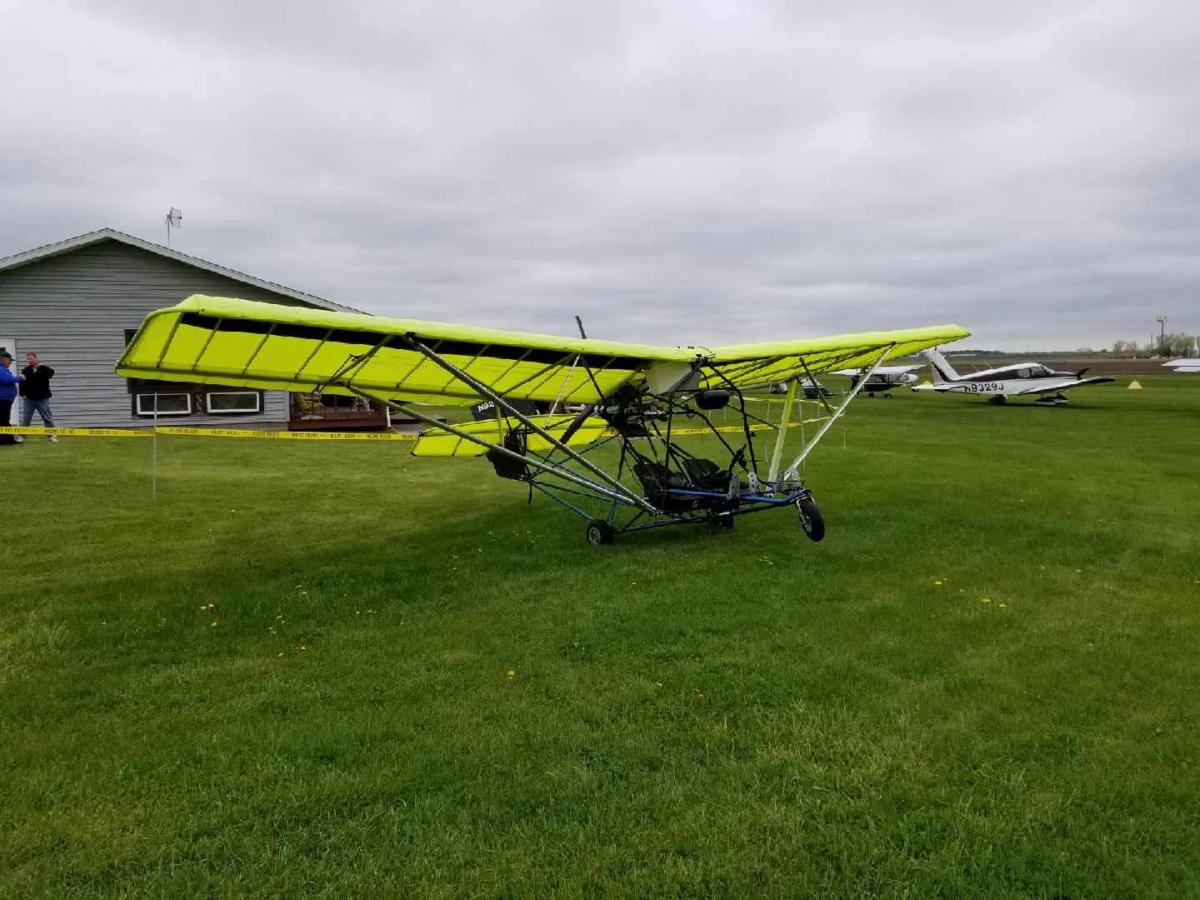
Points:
x=150 y=414
x=258 y=400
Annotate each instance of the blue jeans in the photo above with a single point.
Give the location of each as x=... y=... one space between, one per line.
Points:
x=43 y=409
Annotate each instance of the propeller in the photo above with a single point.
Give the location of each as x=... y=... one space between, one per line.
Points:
x=1079 y=374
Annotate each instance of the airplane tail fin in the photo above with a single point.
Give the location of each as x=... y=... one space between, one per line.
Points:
x=942 y=370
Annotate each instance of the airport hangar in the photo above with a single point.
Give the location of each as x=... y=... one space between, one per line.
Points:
x=77 y=301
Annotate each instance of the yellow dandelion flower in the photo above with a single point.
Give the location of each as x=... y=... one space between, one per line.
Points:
x=511 y=673
x=937 y=584
x=214 y=624
x=1002 y=605
x=985 y=600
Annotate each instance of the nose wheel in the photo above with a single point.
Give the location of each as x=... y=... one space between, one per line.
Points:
x=598 y=532
x=810 y=518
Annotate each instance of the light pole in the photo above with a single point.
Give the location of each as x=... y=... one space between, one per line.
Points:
x=1162 y=335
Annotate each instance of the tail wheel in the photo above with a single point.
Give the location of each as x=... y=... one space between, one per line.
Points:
x=599 y=532
x=810 y=518
x=721 y=521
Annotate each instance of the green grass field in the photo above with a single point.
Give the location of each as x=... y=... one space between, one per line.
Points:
x=330 y=669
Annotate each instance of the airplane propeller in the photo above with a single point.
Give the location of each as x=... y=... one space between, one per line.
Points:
x=1079 y=374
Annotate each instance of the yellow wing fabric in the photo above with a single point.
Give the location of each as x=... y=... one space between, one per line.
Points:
x=263 y=345
x=440 y=442
x=218 y=340
x=748 y=365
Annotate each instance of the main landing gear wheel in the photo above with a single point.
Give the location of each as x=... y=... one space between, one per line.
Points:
x=997 y=400
x=599 y=532
x=810 y=518
x=724 y=521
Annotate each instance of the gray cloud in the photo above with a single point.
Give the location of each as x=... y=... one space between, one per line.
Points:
x=678 y=172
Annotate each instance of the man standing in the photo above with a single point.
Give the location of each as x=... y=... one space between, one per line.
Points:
x=8 y=392
x=35 y=393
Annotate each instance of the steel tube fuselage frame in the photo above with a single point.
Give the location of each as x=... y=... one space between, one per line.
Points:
x=501 y=402
x=699 y=505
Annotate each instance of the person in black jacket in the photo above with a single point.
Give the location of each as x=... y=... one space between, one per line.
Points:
x=35 y=393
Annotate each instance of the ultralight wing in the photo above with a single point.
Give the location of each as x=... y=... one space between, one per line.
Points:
x=1066 y=386
x=749 y=365
x=241 y=343
x=274 y=347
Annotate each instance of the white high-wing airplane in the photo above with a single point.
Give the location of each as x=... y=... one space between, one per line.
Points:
x=1017 y=380
x=1184 y=366
x=883 y=380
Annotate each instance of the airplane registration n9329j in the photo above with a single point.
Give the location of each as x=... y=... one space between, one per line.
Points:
x=555 y=402
x=1017 y=380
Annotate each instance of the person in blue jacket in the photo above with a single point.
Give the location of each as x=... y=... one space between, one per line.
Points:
x=8 y=393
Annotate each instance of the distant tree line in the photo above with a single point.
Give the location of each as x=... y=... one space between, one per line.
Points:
x=1177 y=344
x=1172 y=345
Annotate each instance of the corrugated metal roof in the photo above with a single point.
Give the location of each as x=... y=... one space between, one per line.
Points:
x=111 y=234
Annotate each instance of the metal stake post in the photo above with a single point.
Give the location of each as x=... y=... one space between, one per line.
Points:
x=154 y=452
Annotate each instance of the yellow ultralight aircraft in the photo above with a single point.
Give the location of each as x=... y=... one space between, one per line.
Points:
x=631 y=393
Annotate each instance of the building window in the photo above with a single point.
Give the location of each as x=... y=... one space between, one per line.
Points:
x=228 y=403
x=168 y=404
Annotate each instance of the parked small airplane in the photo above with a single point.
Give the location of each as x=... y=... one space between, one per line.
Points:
x=883 y=380
x=1017 y=380
x=1184 y=366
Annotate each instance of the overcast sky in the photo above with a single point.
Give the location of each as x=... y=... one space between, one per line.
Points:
x=692 y=172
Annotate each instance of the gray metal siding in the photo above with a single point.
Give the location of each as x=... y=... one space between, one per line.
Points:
x=73 y=310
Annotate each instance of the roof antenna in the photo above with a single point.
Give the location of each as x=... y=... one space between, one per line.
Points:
x=174 y=220
x=582 y=333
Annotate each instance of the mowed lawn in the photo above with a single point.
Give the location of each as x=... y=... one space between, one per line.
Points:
x=330 y=669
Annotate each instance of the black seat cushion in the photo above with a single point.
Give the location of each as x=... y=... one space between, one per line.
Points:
x=705 y=474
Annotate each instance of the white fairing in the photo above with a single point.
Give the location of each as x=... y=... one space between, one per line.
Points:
x=667 y=377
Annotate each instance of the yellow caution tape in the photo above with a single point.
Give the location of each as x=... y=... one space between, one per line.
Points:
x=251 y=433
x=291 y=435
x=87 y=432
x=261 y=435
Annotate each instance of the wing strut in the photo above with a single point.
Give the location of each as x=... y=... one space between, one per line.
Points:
x=777 y=452
x=835 y=414
x=485 y=391
x=499 y=448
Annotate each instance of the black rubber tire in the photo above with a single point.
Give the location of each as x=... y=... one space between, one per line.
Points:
x=997 y=399
x=811 y=519
x=725 y=521
x=598 y=533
